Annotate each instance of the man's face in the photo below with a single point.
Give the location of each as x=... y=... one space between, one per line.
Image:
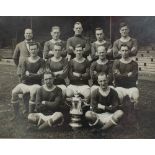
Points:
x=101 y=51
x=99 y=35
x=103 y=82
x=125 y=51
x=57 y=51
x=28 y=34
x=78 y=51
x=124 y=31
x=55 y=33
x=78 y=29
x=34 y=50
x=48 y=80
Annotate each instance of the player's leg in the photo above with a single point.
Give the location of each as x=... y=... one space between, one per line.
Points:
x=33 y=91
x=15 y=100
x=113 y=119
x=71 y=89
x=93 y=119
x=26 y=98
x=35 y=117
x=85 y=91
x=56 y=119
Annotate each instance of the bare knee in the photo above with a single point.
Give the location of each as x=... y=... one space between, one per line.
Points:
x=117 y=115
x=86 y=94
x=14 y=95
x=90 y=115
x=69 y=92
x=58 y=114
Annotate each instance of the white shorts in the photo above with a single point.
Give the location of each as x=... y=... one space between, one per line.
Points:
x=23 y=88
x=28 y=88
x=94 y=87
x=80 y=89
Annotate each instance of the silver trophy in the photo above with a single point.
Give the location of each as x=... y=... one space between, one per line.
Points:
x=76 y=105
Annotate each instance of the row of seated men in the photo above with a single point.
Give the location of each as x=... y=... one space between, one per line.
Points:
x=47 y=99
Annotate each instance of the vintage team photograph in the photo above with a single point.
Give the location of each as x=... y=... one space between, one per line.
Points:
x=77 y=77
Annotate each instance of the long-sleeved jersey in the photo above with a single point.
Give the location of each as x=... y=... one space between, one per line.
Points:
x=97 y=68
x=49 y=46
x=120 y=72
x=75 y=40
x=111 y=101
x=131 y=43
x=53 y=100
x=61 y=65
x=82 y=68
x=35 y=69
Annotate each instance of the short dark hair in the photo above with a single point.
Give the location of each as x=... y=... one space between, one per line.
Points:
x=103 y=74
x=98 y=28
x=122 y=24
x=101 y=46
x=79 y=45
x=77 y=23
x=58 y=44
x=33 y=43
x=125 y=45
x=28 y=29
x=49 y=72
x=55 y=27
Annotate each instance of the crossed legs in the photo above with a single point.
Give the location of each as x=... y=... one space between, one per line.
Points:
x=42 y=121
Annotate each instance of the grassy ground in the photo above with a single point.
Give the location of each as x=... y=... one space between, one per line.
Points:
x=19 y=129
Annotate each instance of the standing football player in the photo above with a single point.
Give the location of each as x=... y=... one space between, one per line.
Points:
x=125 y=39
x=100 y=41
x=77 y=39
x=49 y=45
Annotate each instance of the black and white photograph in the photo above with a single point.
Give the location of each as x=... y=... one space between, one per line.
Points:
x=77 y=77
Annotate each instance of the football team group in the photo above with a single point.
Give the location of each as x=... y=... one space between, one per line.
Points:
x=101 y=73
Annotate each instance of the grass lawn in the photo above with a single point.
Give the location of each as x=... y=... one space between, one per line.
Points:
x=19 y=129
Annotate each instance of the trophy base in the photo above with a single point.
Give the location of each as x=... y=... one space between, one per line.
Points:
x=75 y=122
x=75 y=126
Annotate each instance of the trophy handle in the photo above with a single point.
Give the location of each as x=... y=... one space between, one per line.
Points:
x=84 y=102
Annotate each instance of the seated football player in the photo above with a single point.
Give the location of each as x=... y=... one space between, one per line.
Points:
x=32 y=69
x=49 y=102
x=77 y=39
x=49 y=45
x=79 y=74
x=101 y=65
x=105 y=111
x=59 y=67
x=125 y=39
x=100 y=41
x=125 y=70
